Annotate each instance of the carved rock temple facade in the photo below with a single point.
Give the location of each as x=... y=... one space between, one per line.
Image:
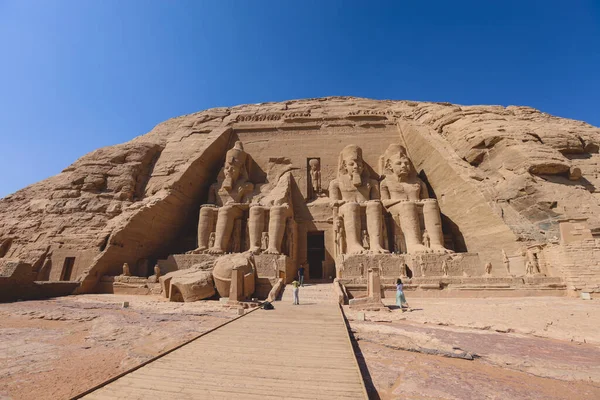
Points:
x=453 y=199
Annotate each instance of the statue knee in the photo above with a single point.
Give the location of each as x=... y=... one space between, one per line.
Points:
x=278 y=211
x=225 y=212
x=206 y=212
x=350 y=208
x=255 y=212
x=429 y=202
x=373 y=207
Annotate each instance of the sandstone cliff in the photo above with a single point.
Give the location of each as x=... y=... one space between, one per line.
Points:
x=503 y=177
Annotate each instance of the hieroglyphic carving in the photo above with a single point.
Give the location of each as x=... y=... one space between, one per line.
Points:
x=370 y=112
x=402 y=194
x=259 y=117
x=352 y=190
x=297 y=114
x=271 y=116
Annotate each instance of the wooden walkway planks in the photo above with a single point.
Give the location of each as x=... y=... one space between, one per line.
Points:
x=294 y=352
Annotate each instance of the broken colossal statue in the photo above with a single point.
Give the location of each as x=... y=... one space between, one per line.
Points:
x=404 y=195
x=352 y=192
x=233 y=198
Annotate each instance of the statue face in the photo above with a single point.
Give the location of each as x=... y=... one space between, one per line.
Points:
x=400 y=165
x=354 y=165
x=232 y=173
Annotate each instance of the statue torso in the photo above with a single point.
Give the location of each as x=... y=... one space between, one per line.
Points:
x=237 y=194
x=402 y=190
x=353 y=193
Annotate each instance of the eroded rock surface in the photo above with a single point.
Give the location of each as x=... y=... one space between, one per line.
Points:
x=502 y=176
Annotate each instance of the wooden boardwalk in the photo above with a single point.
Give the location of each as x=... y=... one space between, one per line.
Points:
x=292 y=352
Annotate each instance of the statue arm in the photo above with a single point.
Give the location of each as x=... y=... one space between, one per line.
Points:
x=386 y=198
x=374 y=195
x=335 y=193
x=424 y=191
x=244 y=191
x=384 y=190
x=212 y=194
x=334 y=190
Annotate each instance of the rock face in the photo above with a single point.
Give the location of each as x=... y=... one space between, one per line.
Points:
x=503 y=177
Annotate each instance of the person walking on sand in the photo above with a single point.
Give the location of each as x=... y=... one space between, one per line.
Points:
x=295 y=290
x=301 y=275
x=400 y=299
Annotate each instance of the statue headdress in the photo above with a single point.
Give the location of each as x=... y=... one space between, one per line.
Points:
x=238 y=157
x=392 y=150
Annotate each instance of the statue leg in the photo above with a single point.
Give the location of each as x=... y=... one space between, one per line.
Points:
x=277 y=217
x=256 y=225
x=374 y=217
x=225 y=217
x=351 y=215
x=409 y=222
x=205 y=224
x=433 y=224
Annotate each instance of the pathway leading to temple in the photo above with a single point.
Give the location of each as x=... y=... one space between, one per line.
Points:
x=292 y=352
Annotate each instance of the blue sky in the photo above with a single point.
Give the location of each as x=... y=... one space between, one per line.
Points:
x=78 y=75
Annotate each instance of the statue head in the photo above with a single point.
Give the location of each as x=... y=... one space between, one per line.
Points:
x=314 y=164
x=396 y=162
x=351 y=163
x=235 y=165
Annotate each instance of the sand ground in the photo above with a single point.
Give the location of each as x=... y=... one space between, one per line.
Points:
x=55 y=349
x=484 y=348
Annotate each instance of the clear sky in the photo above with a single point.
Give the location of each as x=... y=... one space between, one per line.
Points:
x=82 y=74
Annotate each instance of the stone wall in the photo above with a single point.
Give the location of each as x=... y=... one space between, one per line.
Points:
x=578 y=263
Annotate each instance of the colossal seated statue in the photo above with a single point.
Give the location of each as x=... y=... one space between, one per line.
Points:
x=352 y=191
x=233 y=197
x=402 y=194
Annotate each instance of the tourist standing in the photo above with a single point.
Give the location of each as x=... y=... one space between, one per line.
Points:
x=301 y=275
x=295 y=290
x=400 y=299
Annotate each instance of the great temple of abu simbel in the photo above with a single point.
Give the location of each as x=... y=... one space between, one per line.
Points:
x=230 y=202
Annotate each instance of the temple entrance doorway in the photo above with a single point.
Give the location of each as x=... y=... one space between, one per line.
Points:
x=67 y=269
x=315 y=249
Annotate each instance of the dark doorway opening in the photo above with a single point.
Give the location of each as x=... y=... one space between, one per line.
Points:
x=315 y=248
x=67 y=269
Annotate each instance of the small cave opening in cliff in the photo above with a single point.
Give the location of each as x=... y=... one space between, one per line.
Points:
x=4 y=247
